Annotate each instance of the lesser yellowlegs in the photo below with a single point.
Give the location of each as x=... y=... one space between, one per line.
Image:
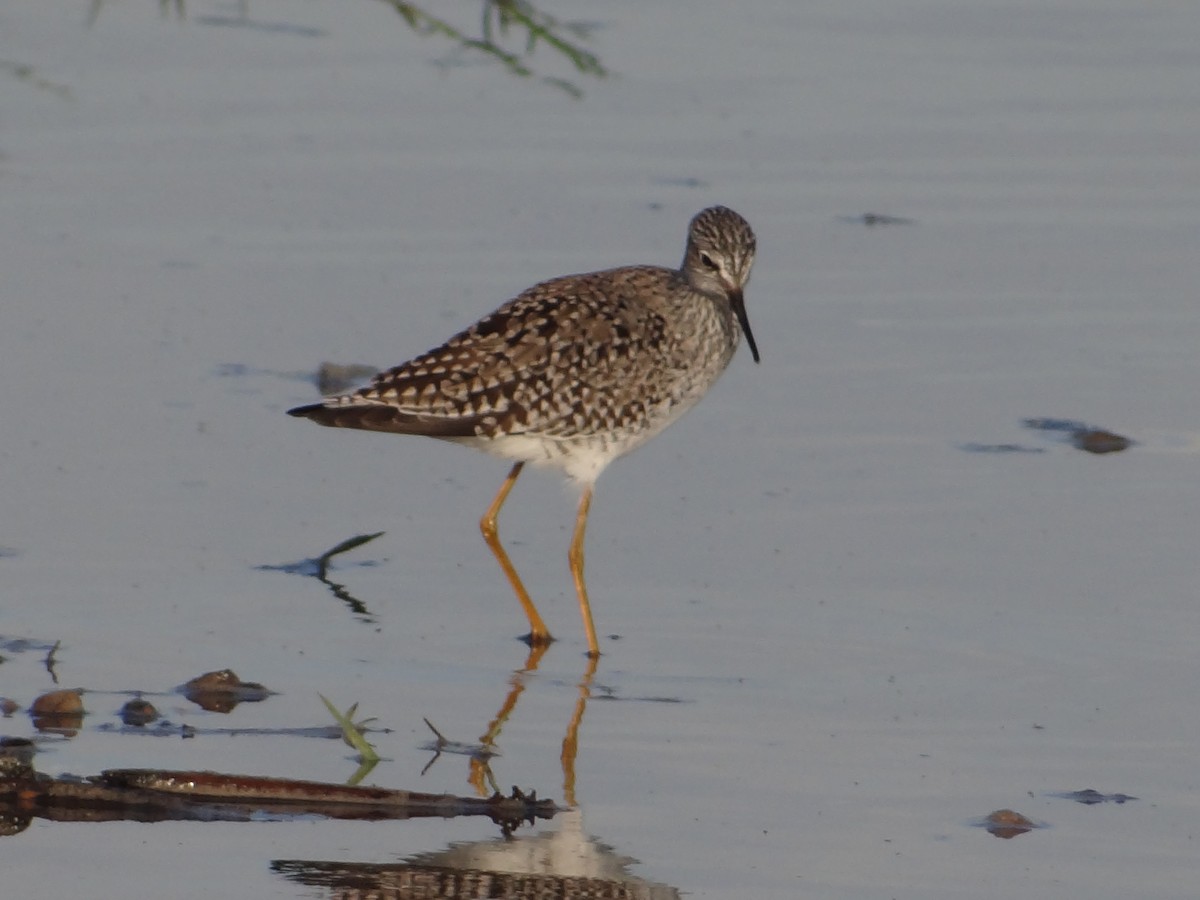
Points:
x=571 y=374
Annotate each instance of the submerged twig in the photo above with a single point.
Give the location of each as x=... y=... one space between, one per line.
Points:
x=51 y=662
x=349 y=544
x=500 y=16
x=479 y=753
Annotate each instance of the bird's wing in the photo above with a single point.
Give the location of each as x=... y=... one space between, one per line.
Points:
x=510 y=368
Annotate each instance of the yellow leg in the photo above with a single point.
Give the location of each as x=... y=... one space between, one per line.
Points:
x=538 y=633
x=575 y=557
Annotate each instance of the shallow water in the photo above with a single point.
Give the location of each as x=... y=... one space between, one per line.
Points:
x=843 y=639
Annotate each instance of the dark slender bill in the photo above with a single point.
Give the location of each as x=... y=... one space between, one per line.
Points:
x=739 y=308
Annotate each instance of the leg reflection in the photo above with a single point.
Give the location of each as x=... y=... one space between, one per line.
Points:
x=481 y=777
x=570 y=744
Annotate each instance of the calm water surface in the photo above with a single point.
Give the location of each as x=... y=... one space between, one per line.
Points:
x=843 y=638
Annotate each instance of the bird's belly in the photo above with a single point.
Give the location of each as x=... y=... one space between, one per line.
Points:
x=581 y=457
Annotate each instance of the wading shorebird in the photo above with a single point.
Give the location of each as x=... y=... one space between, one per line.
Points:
x=571 y=374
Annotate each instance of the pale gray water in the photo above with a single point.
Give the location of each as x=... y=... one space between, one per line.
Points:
x=879 y=637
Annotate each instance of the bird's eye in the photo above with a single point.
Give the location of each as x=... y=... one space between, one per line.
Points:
x=708 y=261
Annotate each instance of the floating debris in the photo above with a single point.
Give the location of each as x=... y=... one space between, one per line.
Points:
x=687 y=181
x=871 y=219
x=1000 y=448
x=1078 y=434
x=604 y=692
x=24 y=645
x=329 y=378
x=339 y=378
x=1089 y=797
x=1082 y=436
x=318 y=567
x=222 y=690
x=138 y=713
x=65 y=702
x=58 y=711
x=1098 y=441
x=1007 y=823
x=481 y=753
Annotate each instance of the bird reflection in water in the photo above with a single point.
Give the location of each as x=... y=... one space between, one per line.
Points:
x=565 y=863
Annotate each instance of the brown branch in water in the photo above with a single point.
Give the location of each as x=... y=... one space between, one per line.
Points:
x=152 y=795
